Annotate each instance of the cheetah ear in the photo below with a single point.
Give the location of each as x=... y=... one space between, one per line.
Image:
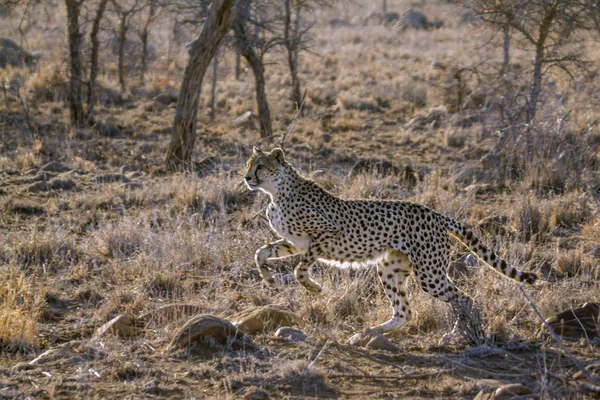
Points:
x=256 y=151
x=278 y=155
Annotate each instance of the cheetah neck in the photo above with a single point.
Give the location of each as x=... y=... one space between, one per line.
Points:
x=288 y=184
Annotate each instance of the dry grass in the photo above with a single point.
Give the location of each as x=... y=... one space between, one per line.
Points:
x=71 y=260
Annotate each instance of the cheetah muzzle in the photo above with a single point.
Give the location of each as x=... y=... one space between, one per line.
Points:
x=399 y=237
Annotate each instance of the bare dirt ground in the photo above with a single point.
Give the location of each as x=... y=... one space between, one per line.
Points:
x=109 y=232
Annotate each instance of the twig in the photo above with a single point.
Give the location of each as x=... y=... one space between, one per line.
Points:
x=296 y=116
x=557 y=339
x=394 y=377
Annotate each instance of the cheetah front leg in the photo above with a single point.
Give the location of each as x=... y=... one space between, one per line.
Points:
x=279 y=249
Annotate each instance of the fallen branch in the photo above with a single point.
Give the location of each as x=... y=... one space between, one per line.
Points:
x=557 y=339
x=394 y=377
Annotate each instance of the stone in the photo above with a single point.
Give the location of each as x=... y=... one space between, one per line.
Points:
x=577 y=323
x=373 y=339
x=380 y=342
x=118 y=326
x=165 y=99
x=511 y=390
x=291 y=334
x=55 y=166
x=202 y=326
x=414 y=19
x=62 y=184
x=337 y=22
x=41 y=186
x=14 y=55
x=265 y=318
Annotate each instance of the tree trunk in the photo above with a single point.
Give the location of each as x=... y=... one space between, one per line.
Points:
x=74 y=39
x=384 y=8
x=218 y=22
x=505 y=48
x=258 y=69
x=536 y=84
x=291 y=45
x=91 y=93
x=144 y=38
x=121 y=56
x=213 y=86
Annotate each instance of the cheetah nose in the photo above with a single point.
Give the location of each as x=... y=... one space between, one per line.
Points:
x=247 y=178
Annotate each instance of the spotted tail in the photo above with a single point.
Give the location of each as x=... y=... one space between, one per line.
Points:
x=468 y=238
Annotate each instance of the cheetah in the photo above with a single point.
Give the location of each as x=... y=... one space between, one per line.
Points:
x=398 y=237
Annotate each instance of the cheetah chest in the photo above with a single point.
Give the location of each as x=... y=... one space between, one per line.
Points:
x=281 y=226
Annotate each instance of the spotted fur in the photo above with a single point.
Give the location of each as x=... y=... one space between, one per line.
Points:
x=399 y=237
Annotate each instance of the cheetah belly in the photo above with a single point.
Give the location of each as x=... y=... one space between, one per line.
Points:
x=300 y=242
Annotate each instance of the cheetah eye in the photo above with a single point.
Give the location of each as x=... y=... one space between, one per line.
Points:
x=258 y=167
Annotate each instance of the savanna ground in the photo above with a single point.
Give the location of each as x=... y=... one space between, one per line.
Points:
x=118 y=235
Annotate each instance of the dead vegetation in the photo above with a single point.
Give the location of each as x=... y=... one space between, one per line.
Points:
x=385 y=117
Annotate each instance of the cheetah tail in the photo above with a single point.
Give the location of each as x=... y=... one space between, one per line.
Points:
x=468 y=238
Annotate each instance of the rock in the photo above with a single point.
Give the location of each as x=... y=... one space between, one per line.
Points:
x=55 y=166
x=576 y=323
x=509 y=391
x=265 y=318
x=62 y=184
x=165 y=99
x=372 y=339
x=414 y=19
x=338 y=22
x=390 y=18
x=14 y=55
x=41 y=186
x=201 y=326
x=110 y=178
x=291 y=334
x=118 y=326
x=380 y=342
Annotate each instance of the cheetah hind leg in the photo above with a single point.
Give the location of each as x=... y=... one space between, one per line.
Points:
x=393 y=271
x=302 y=271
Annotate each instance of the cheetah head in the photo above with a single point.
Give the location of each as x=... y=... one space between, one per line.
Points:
x=263 y=170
